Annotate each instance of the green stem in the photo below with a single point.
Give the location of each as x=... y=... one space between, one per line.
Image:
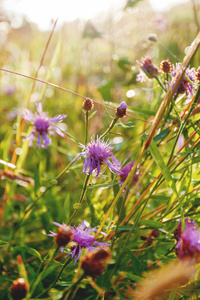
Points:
x=160 y=83
x=81 y=198
x=112 y=124
x=53 y=284
x=68 y=289
x=86 y=126
x=38 y=280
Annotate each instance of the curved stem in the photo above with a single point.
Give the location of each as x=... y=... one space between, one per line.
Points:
x=86 y=126
x=112 y=124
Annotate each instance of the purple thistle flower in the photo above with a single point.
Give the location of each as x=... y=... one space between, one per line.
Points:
x=43 y=126
x=126 y=170
x=83 y=238
x=97 y=153
x=188 y=240
x=147 y=69
x=185 y=86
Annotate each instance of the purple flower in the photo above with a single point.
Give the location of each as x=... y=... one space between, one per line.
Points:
x=185 y=86
x=43 y=126
x=121 y=110
x=83 y=238
x=97 y=153
x=147 y=69
x=126 y=170
x=188 y=240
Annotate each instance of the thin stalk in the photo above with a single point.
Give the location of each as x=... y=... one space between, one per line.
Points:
x=112 y=124
x=57 y=277
x=81 y=198
x=39 y=278
x=74 y=285
x=86 y=126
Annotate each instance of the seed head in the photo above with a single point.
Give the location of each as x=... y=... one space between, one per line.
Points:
x=63 y=237
x=198 y=75
x=121 y=110
x=19 y=288
x=165 y=66
x=87 y=104
x=94 y=262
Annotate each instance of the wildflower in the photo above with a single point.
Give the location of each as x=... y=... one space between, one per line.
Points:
x=188 y=240
x=94 y=262
x=43 y=126
x=185 y=86
x=146 y=68
x=88 y=104
x=97 y=153
x=63 y=235
x=165 y=66
x=19 y=288
x=121 y=110
x=126 y=170
x=82 y=237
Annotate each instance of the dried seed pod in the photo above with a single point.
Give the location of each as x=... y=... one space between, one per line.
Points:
x=19 y=288
x=94 y=262
x=121 y=110
x=87 y=104
x=165 y=66
x=198 y=75
x=63 y=236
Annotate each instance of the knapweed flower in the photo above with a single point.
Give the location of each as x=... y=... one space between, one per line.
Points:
x=87 y=104
x=43 y=126
x=185 y=86
x=165 y=66
x=19 y=288
x=126 y=170
x=82 y=238
x=63 y=235
x=146 y=68
x=121 y=110
x=188 y=240
x=97 y=153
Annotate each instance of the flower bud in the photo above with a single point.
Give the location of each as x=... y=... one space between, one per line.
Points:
x=121 y=110
x=94 y=262
x=165 y=66
x=63 y=236
x=148 y=68
x=87 y=104
x=19 y=288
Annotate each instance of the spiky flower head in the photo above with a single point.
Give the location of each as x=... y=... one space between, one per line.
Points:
x=87 y=104
x=94 y=262
x=198 y=75
x=188 y=240
x=146 y=68
x=96 y=153
x=121 y=110
x=43 y=126
x=19 y=288
x=83 y=238
x=185 y=85
x=165 y=66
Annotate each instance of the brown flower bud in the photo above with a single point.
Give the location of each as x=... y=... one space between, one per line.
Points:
x=94 y=262
x=88 y=104
x=198 y=75
x=165 y=66
x=63 y=236
x=121 y=110
x=19 y=288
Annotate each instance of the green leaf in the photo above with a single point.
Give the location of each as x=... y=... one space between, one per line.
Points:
x=131 y=276
x=151 y=223
x=28 y=250
x=161 y=135
x=136 y=264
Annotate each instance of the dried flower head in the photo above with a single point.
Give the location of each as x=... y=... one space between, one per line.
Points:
x=88 y=104
x=43 y=126
x=185 y=86
x=165 y=66
x=198 y=75
x=19 y=288
x=63 y=235
x=159 y=282
x=97 y=153
x=83 y=238
x=94 y=262
x=121 y=110
x=146 y=68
